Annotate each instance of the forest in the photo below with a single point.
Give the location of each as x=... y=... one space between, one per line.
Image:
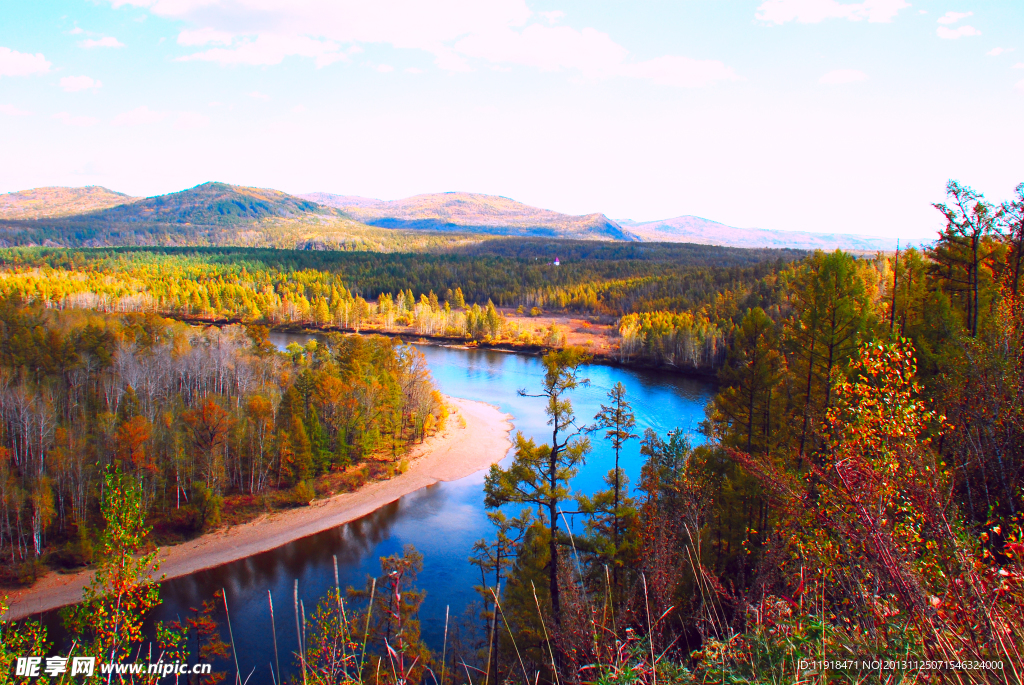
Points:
x=857 y=496
x=213 y=423
x=464 y=294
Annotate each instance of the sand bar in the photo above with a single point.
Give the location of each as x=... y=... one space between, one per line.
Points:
x=453 y=454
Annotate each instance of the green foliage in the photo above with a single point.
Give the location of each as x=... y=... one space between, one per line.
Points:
x=123 y=589
x=540 y=474
x=18 y=639
x=390 y=625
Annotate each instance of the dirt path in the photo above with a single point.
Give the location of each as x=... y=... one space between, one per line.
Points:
x=457 y=452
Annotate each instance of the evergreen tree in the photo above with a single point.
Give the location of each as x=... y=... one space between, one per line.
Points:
x=540 y=474
x=748 y=410
x=1011 y=218
x=495 y=558
x=830 y=313
x=618 y=421
x=962 y=248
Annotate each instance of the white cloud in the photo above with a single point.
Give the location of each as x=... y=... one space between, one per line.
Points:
x=105 y=42
x=191 y=120
x=590 y=52
x=139 y=116
x=953 y=17
x=1020 y=85
x=1019 y=65
x=548 y=48
x=69 y=120
x=73 y=84
x=959 y=32
x=12 y=111
x=204 y=36
x=385 y=68
x=995 y=52
x=299 y=109
x=680 y=71
x=839 y=76
x=14 y=63
x=413 y=70
x=455 y=32
x=76 y=31
x=814 y=11
x=267 y=49
x=257 y=95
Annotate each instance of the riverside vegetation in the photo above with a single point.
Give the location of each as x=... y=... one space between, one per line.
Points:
x=858 y=498
x=213 y=424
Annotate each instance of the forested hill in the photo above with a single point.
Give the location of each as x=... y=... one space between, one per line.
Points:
x=208 y=214
x=49 y=202
x=474 y=213
x=211 y=204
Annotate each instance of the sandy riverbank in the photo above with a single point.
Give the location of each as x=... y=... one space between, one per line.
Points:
x=457 y=452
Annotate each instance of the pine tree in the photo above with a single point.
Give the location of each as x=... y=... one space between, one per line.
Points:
x=618 y=421
x=748 y=409
x=962 y=248
x=540 y=474
x=830 y=312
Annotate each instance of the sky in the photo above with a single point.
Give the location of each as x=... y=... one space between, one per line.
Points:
x=815 y=115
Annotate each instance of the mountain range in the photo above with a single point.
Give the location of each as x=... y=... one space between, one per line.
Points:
x=473 y=213
x=225 y=214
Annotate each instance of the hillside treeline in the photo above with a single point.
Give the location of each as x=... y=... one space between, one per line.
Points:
x=211 y=422
x=256 y=283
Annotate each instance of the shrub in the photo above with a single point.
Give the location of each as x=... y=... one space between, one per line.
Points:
x=302 y=494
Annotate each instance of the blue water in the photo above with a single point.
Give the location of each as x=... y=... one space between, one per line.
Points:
x=442 y=521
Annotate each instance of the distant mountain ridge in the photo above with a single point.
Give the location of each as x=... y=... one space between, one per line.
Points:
x=226 y=214
x=694 y=229
x=58 y=201
x=473 y=213
x=211 y=204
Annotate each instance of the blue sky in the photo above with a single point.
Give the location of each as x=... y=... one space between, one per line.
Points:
x=822 y=115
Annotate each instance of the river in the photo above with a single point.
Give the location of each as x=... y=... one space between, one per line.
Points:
x=442 y=521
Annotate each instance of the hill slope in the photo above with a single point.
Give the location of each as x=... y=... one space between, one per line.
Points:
x=55 y=201
x=693 y=229
x=473 y=212
x=211 y=204
x=216 y=214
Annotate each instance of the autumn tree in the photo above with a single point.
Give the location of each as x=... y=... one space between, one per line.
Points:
x=109 y=620
x=208 y=426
